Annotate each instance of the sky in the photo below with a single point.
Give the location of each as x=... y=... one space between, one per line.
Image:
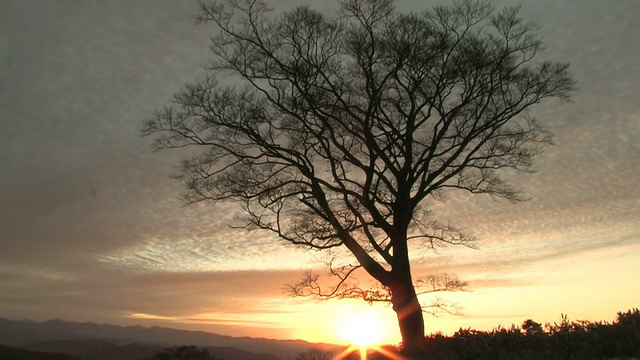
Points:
x=92 y=227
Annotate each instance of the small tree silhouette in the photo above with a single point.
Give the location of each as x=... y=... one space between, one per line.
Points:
x=184 y=353
x=314 y=354
x=532 y=328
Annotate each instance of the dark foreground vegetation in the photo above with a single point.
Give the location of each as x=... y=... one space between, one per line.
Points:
x=565 y=340
x=10 y=353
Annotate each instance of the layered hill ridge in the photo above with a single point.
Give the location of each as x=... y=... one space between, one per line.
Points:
x=104 y=341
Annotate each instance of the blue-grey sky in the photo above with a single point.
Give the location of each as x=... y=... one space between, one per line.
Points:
x=92 y=227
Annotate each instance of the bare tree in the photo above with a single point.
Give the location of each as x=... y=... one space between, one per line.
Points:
x=339 y=132
x=346 y=288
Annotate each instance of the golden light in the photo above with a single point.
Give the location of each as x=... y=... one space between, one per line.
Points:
x=362 y=328
x=366 y=329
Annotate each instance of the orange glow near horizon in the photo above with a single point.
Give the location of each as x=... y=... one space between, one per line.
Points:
x=362 y=328
x=344 y=322
x=539 y=291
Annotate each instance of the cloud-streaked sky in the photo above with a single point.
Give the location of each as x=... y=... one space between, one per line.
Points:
x=92 y=227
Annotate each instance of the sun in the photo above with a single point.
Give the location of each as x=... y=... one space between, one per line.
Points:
x=362 y=328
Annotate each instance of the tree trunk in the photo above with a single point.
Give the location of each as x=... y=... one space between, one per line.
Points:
x=409 y=313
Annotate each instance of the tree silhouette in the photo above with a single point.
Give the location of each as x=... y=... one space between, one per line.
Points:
x=340 y=132
x=184 y=353
x=532 y=328
x=427 y=284
x=314 y=354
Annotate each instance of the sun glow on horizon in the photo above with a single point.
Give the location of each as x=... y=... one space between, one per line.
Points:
x=362 y=328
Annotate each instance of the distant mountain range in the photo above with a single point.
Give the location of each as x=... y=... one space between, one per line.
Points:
x=63 y=340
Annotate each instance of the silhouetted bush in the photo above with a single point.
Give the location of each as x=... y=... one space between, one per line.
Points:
x=184 y=353
x=567 y=340
x=314 y=354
